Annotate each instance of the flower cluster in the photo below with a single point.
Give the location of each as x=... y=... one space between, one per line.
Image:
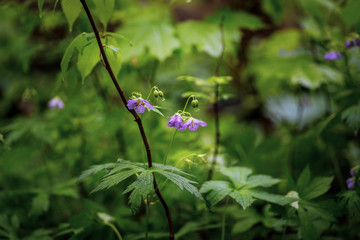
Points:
x=355 y=42
x=139 y=104
x=56 y=102
x=350 y=182
x=191 y=123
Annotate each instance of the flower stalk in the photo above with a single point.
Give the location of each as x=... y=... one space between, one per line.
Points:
x=135 y=115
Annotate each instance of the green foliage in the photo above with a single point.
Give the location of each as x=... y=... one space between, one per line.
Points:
x=241 y=188
x=142 y=187
x=72 y=10
x=351 y=116
x=104 y=9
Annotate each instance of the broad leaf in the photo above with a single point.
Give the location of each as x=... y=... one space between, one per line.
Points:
x=216 y=191
x=273 y=198
x=261 y=181
x=243 y=197
x=238 y=175
x=352 y=117
x=316 y=188
x=104 y=9
x=40 y=204
x=88 y=57
x=71 y=11
x=95 y=169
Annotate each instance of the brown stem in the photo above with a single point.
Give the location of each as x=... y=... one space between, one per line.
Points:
x=216 y=100
x=132 y=111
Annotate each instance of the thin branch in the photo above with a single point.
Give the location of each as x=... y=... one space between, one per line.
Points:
x=132 y=111
x=216 y=100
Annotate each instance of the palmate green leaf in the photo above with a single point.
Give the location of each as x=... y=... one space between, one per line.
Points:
x=316 y=188
x=243 y=197
x=104 y=9
x=181 y=182
x=261 y=181
x=140 y=189
x=244 y=225
x=304 y=179
x=216 y=191
x=95 y=169
x=71 y=11
x=352 y=117
x=308 y=230
x=237 y=175
x=113 y=179
x=352 y=201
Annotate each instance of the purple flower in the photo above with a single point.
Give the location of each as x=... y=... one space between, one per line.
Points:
x=333 y=55
x=56 y=102
x=139 y=104
x=353 y=43
x=193 y=124
x=176 y=121
x=350 y=183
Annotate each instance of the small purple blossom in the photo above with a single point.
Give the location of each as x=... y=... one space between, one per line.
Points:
x=56 y=102
x=139 y=105
x=350 y=182
x=355 y=42
x=176 y=122
x=193 y=124
x=333 y=55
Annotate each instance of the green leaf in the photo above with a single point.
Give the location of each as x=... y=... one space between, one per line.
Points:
x=352 y=117
x=114 y=57
x=197 y=81
x=181 y=182
x=273 y=198
x=238 y=175
x=40 y=204
x=156 y=37
x=218 y=190
x=71 y=10
x=40 y=6
x=350 y=13
x=79 y=41
x=352 y=201
x=308 y=230
x=155 y=109
x=104 y=9
x=316 y=188
x=88 y=57
x=244 y=225
x=112 y=179
x=204 y=36
x=261 y=181
x=140 y=189
x=304 y=179
x=243 y=197
x=95 y=169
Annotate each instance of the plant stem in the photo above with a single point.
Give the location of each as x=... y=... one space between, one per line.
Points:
x=224 y=221
x=135 y=115
x=187 y=101
x=115 y=230
x=216 y=100
x=147 y=219
x=171 y=143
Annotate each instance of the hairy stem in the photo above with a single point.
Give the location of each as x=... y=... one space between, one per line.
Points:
x=216 y=100
x=137 y=118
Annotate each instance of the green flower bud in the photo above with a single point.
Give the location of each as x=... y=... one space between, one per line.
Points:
x=161 y=94
x=156 y=93
x=195 y=103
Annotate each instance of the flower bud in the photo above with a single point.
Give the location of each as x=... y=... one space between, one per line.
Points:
x=195 y=103
x=156 y=93
x=161 y=94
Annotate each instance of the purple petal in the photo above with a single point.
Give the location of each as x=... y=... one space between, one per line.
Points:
x=175 y=121
x=348 y=44
x=199 y=122
x=147 y=104
x=332 y=55
x=350 y=183
x=56 y=102
x=140 y=108
x=184 y=126
x=193 y=125
x=131 y=104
